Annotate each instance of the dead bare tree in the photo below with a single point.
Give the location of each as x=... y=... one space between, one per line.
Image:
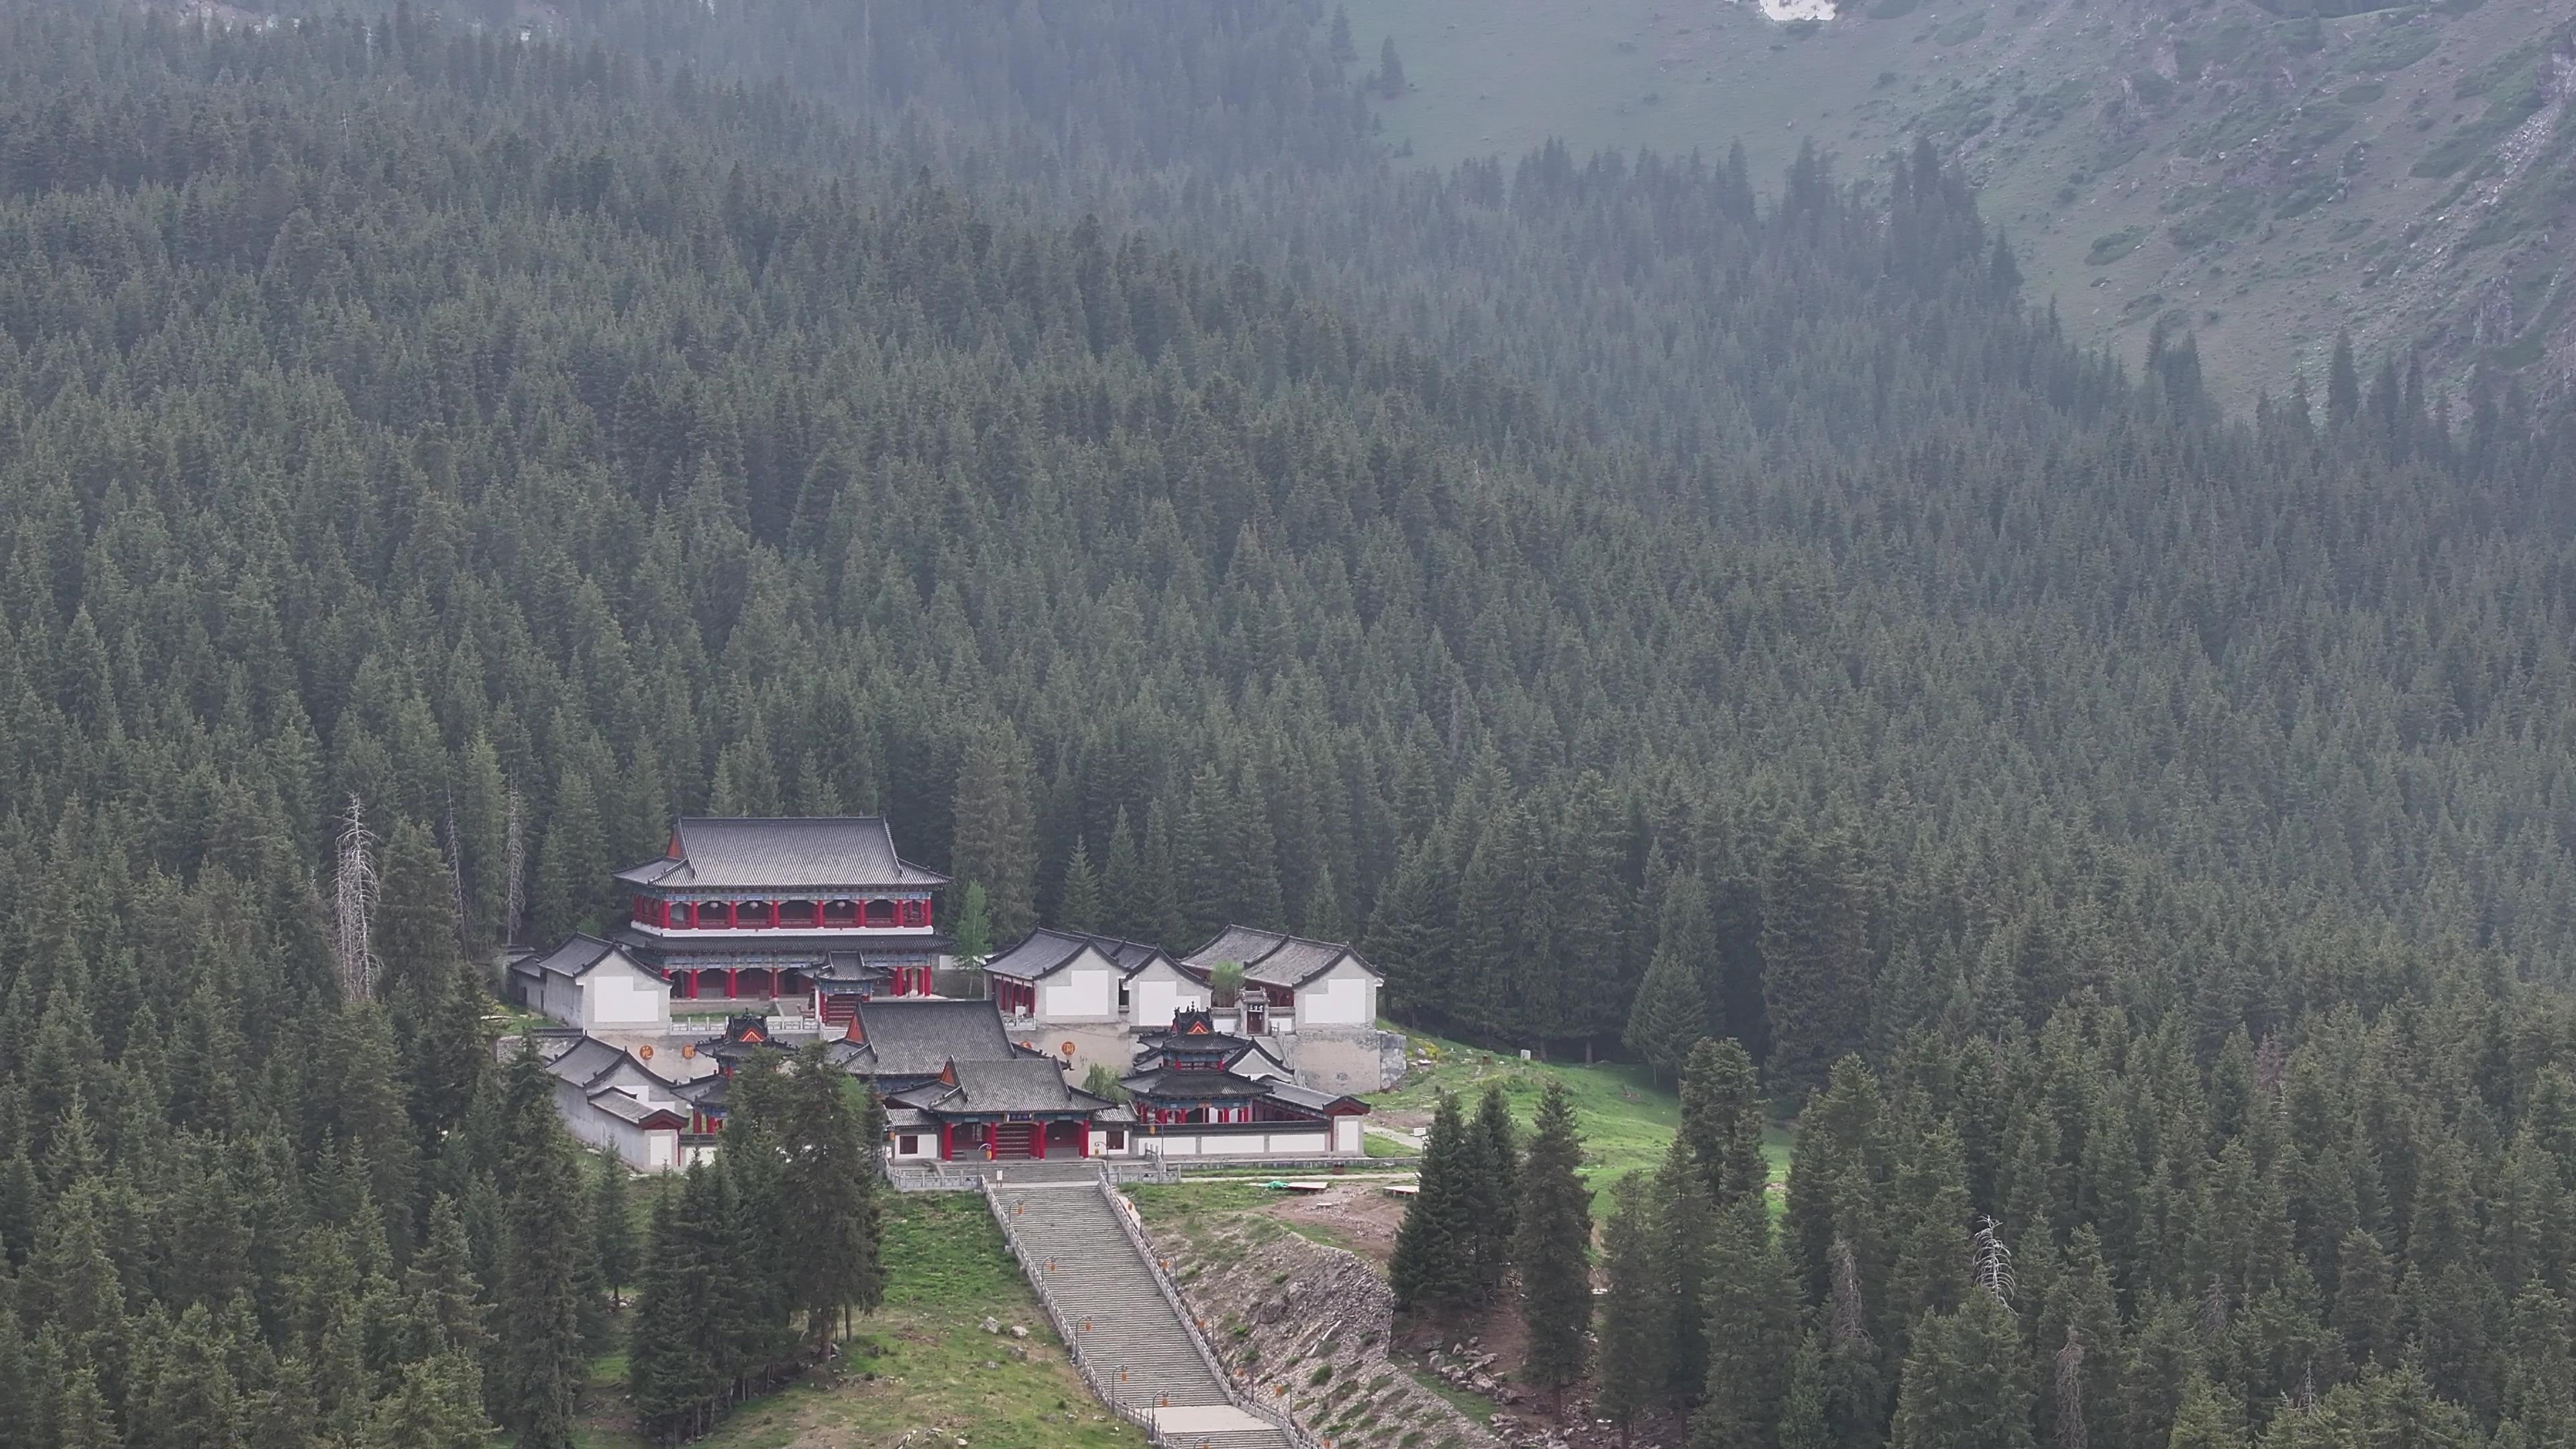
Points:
x=354 y=888
x=514 y=863
x=2071 y=1433
x=456 y=901
x=1848 y=1325
x=1994 y=1269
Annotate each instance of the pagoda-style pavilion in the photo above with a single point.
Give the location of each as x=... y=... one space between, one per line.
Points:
x=818 y=909
x=999 y=1111
x=1197 y=1076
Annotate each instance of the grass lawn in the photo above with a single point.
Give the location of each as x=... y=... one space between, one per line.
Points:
x=1627 y=1118
x=921 y=1365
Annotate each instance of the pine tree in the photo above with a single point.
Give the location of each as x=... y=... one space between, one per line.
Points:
x=1409 y=936
x=1816 y=961
x=1123 y=889
x=1078 y=905
x=1552 y=1244
x=973 y=931
x=1685 y=1220
x=1390 y=70
x=1636 y=1344
x=436 y=1405
x=612 y=1227
x=1722 y=1120
x=2210 y=1418
x=1498 y=1195
x=440 y=1281
x=995 y=839
x=1670 y=1013
x=572 y=861
x=1965 y=1384
x=1434 y=1263
x=1752 y=1333
x=2365 y=1305
x=539 y=1356
x=827 y=1189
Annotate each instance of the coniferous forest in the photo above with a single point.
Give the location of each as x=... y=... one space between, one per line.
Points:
x=1639 y=602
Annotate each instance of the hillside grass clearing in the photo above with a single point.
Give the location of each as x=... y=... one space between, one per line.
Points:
x=920 y=1370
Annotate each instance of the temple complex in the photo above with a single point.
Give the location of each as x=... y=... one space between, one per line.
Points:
x=753 y=935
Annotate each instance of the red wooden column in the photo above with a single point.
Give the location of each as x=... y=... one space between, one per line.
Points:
x=733 y=914
x=733 y=982
x=947 y=1143
x=1037 y=1141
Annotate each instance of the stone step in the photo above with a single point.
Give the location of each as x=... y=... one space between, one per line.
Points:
x=1098 y=1278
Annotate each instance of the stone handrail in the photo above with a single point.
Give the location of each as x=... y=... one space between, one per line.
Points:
x=1245 y=1396
x=1102 y=1388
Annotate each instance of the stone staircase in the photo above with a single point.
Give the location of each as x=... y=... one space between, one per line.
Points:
x=1125 y=1336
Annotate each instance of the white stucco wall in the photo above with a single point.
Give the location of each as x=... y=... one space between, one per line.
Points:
x=1343 y=996
x=559 y=998
x=657 y=1150
x=1158 y=991
x=1087 y=990
x=1346 y=1137
x=621 y=998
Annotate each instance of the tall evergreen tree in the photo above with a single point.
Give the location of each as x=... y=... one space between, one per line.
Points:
x=1552 y=1244
x=1498 y=1198
x=1722 y=1120
x=995 y=843
x=612 y=1227
x=1966 y=1382
x=1816 y=960
x=1636 y=1344
x=1752 y=1333
x=1670 y=1014
x=539 y=1358
x=1434 y=1263
x=1078 y=905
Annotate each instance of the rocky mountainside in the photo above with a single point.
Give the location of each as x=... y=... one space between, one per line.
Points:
x=2262 y=175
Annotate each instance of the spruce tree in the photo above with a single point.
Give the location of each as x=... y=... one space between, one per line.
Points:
x=1636 y=1343
x=1685 y=1222
x=539 y=1356
x=1434 y=1263
x=1669 y=1014
x=1816 y=960
x=973 y=930
x=1722 y=1120
x=1078 y=902
x=995 y=840
x=1123 y=890
x=1752 y=1333
x=827 y=1188
x=1499 y=1196
x=1552 y=1244
x=1966 y=1383
x=612 y=1227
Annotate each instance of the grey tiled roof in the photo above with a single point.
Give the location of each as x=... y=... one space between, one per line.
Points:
x=1026 y=1085
x=1191 y=1085
x=577 y=954
x=589 y=1059
x=915 y=1038
x=853 y=852
x=1041 y=952
x=617 y=1104
x=1271 y=958
x=1308 y=1098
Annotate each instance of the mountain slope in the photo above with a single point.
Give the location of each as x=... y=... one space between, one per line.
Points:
x=2262 y=177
